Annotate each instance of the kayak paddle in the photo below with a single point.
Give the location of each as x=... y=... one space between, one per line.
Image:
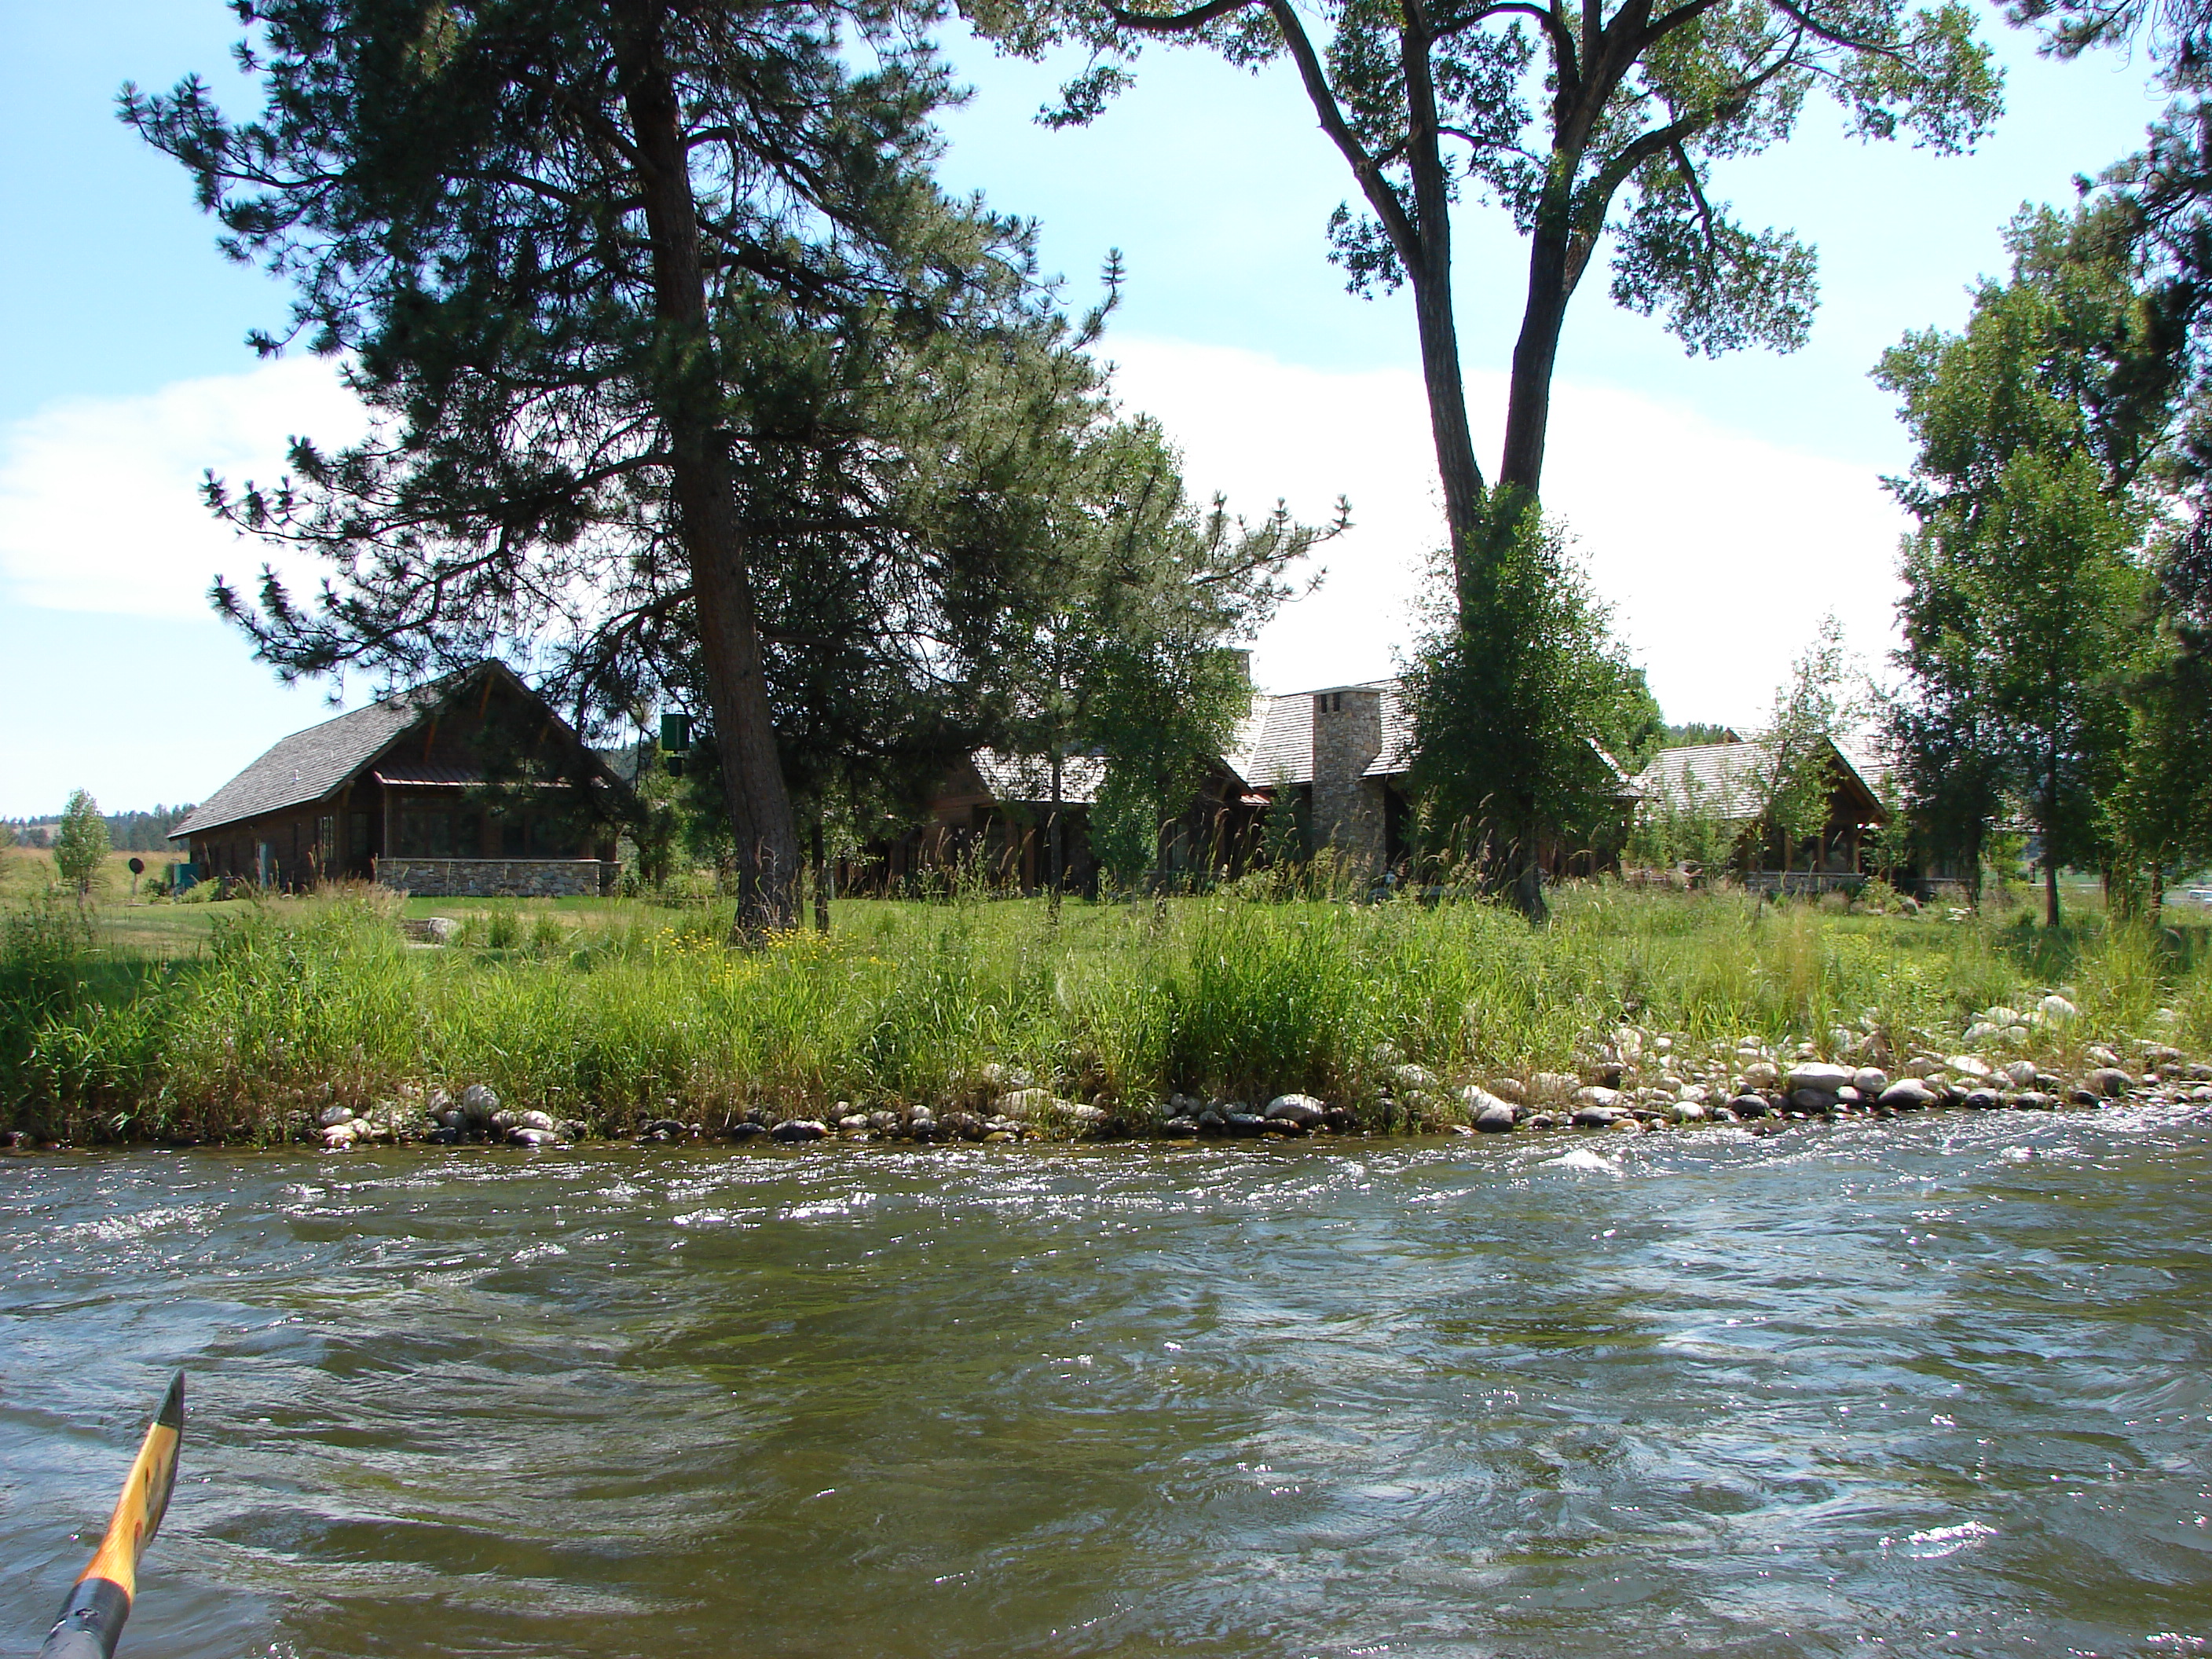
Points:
x=92 y=1619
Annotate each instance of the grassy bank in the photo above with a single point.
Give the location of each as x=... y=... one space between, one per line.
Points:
x=618 y=1013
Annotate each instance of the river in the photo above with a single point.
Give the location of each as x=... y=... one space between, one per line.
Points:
x=1929 y=1388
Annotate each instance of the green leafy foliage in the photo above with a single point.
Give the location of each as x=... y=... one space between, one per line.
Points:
x=2027 y=580
x=1679 y=829
x=1811 y=709
x=1519 y=705
x=1589 y=125
x=81 y=844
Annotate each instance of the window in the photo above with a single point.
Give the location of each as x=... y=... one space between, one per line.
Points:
x=426 y=834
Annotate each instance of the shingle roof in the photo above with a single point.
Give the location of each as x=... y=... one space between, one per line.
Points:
x=1022 y=778
x=1397 y=751
x=1720 y=778
x=1274 y=744
x=1727 y=779
x=308 y=765
x=1870 y=758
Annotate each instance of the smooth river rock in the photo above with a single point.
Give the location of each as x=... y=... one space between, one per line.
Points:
x=1820 y=1076
x=1302 y=1109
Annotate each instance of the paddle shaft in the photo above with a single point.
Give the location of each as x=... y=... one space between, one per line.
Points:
x=92 y=1619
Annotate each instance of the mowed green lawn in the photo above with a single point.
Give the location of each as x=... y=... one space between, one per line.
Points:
x=160 y=928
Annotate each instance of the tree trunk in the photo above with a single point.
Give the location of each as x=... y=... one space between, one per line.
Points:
x=1535 y=358
x=821 y=861
x=1427 y=258
x=1055 y=848
x=1458 y=470
x=690 y=399
x=1529 y=882
x=2050 y=843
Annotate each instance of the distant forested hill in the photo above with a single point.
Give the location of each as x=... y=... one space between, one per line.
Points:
x=144 y=832
x=127 y=832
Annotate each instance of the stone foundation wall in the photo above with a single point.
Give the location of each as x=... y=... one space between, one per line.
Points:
x=1800 y=883
x=496 y=877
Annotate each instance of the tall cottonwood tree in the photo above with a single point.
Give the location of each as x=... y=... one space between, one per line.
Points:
x=2034 y=489
x=574 y=252
x=1585 y=122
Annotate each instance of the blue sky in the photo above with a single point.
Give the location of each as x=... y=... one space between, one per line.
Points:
x=1722 y=504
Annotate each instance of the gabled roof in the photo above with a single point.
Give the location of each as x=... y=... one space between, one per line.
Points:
x=1274 y=744
x=309 y=765
x=1397 y=752
x=1023 y=778
x=1728 y=778
x=1723 y=779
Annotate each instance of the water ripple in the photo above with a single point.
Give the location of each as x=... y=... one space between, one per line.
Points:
x=1939 y=1387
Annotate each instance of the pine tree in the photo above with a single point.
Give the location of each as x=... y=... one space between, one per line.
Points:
x=604 y=269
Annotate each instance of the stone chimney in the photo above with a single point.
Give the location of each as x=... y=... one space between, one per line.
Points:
x=1347 y=805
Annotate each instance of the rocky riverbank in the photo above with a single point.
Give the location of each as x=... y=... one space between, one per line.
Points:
x=1632 y=1080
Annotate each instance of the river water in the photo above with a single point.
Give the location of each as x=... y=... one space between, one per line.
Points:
x=1933 y=1387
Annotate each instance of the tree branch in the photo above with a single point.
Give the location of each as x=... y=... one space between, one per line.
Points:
x=1798 y=15
x=1179 y=22
x=1404 y=236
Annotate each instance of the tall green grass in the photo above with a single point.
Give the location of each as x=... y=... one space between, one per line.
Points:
x=298 y=1004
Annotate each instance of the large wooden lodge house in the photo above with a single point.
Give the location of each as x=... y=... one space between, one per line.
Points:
x=471 y=784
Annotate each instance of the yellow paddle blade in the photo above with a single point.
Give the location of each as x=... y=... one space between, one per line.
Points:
x=145 y=1497
x=92 y=1619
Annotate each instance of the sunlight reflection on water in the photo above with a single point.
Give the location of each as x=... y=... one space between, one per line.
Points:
x=1675 y=1393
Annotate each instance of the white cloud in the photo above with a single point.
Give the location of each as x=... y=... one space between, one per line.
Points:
x=1718 y=550
x=100 y=507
